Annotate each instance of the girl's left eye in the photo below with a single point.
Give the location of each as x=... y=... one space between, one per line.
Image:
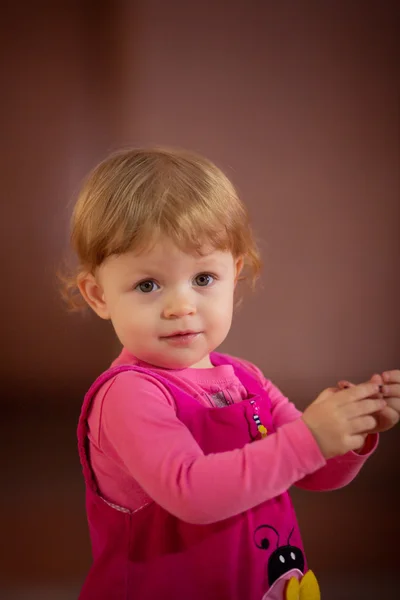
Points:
x=204 y=279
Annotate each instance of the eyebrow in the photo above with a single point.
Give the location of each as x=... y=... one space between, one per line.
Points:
x=156 y=271
x=207 y=262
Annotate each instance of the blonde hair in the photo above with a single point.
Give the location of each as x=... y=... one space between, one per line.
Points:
x=135 y=195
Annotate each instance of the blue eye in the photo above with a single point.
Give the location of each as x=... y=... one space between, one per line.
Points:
x=147 y=286
x=204 y=279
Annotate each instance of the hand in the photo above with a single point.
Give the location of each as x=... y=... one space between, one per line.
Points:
x=378 y=416
x=388 y=416
x=339 y=420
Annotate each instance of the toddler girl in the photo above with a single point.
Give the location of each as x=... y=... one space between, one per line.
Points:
x=188 y=454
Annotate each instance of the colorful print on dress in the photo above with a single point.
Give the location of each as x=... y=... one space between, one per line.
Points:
x=286 y=578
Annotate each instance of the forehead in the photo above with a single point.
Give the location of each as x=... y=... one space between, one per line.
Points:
x=164 y=250
x=165 y=257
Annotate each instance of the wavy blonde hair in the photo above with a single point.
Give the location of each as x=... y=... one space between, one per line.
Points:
x=136 y=195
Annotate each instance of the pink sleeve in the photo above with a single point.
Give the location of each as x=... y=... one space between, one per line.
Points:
x=140 y=429
x=337 y=472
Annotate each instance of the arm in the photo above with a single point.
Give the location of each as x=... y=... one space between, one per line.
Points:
x=336 y=472
x=339 y=471
x=139 y=429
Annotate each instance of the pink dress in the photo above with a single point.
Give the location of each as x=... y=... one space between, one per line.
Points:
x=149 y=553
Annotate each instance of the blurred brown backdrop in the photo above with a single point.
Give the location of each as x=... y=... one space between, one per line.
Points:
x=299 y=103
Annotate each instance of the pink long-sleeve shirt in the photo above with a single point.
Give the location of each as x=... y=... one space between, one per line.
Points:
x=141 y=452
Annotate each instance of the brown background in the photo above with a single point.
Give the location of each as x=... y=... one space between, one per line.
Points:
x=299 y=103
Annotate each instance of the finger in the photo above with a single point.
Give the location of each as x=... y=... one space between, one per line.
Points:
x=394 y=416
x=393 y=403
x=376 y=378
x=387 y=418
x=358 y=392
x=391 y=376
x=343 y=384
x=391 y=391
x=364 y=407
x=363 y=424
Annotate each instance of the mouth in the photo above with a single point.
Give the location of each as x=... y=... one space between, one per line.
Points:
x=181 y=338
x=180 y=334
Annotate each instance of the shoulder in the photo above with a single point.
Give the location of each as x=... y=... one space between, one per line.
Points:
x=126 y=392
x=127 y=397
x=132 y=384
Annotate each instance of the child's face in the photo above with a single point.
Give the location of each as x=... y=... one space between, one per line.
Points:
x=168 y=308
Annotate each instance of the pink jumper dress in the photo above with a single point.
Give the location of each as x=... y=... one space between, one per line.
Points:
x=149 y=554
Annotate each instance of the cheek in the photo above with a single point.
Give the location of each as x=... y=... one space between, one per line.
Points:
x=130 y=315
x=221 y=305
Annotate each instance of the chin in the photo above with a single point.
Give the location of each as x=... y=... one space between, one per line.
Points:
x=165 y=362
x=177 y=362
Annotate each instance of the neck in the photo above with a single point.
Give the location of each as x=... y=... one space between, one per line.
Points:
x=204 y=363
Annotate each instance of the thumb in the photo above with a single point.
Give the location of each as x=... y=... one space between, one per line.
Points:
x=343 y=384
x=376 y=378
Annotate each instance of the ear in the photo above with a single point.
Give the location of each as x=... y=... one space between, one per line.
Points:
x=92 y=292
x=239 y=263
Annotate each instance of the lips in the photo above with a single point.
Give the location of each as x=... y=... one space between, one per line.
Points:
x=180 y=333
x=181 y=339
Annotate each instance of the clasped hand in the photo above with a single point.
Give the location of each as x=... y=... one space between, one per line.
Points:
x=341 y=417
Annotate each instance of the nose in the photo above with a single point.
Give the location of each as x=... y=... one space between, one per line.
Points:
x=178 y=306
